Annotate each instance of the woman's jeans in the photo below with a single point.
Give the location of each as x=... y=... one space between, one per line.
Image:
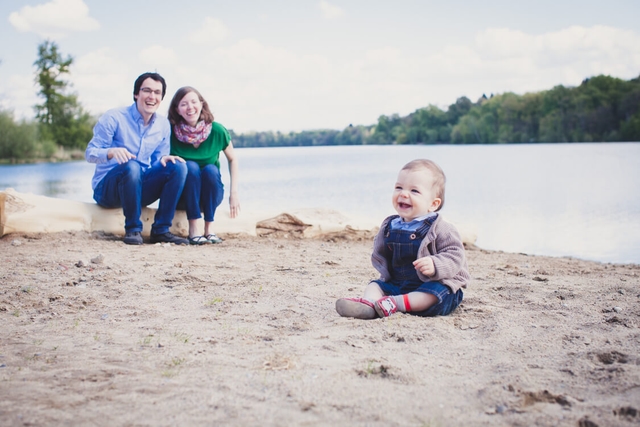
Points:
x=130 y=187
x=203 y=191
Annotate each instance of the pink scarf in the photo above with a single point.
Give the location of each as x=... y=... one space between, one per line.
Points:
x=192 y=135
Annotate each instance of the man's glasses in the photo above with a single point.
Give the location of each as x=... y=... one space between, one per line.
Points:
x=149 y=91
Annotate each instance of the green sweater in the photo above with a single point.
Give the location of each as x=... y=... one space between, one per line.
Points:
x=208 y=152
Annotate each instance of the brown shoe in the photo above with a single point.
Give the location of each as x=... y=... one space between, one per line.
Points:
x=359 y=308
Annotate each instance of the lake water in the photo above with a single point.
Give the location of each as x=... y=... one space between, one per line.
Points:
x=580 y=200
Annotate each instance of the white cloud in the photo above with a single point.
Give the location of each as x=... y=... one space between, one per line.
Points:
x=157 y=55
x=263 y=87
x=99 y=78
x=212 y=31
x=19 y=95
x=54 y=19
x=594 y=49
x=102 y=81
x=330 y=11
x=502 y=60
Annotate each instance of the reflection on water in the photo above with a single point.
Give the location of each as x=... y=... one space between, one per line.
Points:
x=67 y=180
x=55 y=188
x=576 y=200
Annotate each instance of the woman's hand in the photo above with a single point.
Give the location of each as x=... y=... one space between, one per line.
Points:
x=173 y=159
x=234 y=205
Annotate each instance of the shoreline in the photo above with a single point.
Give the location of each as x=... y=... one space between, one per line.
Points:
x=28 y=212
x=246 y=333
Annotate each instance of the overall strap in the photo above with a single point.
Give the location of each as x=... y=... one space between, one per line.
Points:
x=388 y=226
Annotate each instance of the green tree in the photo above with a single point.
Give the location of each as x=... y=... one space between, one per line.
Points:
x=61 y=116
x=21 y=141
x=602 y=108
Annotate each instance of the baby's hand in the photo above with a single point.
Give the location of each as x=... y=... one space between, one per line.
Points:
x=425 y=266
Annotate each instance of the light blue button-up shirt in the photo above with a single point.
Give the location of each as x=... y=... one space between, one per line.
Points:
x=400 y=224
x=124 y=127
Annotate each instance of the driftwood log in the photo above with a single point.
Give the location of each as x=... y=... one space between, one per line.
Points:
x=29 y=213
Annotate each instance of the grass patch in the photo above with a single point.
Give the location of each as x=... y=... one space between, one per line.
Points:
x=182 y=337
x=214 y=301
x=146 y=341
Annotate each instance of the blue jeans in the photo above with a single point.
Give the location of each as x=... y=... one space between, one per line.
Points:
x=203 y=191
x=130 y=187
x=447 y=300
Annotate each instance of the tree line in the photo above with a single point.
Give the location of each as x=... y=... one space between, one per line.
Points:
x=601 y=108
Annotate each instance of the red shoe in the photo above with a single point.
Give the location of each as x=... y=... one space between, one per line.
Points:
x=386 y=306
x=358 y=308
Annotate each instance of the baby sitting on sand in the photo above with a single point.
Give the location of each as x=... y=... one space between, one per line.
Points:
x=420 y=257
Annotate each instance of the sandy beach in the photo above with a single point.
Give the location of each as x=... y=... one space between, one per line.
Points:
x=245 y=333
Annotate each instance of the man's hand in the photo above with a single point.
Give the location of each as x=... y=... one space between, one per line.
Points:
x=425 y=266
x=173 y=159
x=122 y=155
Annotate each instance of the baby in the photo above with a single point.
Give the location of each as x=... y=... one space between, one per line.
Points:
x=420 y=257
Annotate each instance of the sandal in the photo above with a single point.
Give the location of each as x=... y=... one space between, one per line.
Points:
x=212 y=238
x=198 y=240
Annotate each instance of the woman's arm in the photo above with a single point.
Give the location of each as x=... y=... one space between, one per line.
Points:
x=234 y=200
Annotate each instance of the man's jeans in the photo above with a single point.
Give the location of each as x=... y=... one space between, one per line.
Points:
x=130 y=187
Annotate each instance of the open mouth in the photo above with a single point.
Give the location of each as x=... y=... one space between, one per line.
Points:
x=404 y=205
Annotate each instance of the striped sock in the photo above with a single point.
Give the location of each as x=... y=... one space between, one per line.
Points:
x=402 y=302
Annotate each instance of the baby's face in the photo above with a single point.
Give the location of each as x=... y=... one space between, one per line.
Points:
x=414 y=195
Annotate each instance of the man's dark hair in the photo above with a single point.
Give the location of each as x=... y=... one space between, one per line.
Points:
x=155 y=76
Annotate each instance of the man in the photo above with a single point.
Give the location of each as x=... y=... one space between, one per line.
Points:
x=130 y=147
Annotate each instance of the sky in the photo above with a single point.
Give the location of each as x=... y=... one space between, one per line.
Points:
x=292 y=65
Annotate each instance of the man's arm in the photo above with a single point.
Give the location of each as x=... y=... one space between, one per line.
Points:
x=98 y=148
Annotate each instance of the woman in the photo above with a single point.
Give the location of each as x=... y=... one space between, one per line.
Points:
x=199 y=140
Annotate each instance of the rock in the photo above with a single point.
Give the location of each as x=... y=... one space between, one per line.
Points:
x=98 y=260
x=16 y=242
x=617 y=309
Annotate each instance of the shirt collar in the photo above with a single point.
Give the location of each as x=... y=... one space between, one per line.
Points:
x=399 y=224
x=421 y=218
x=133 y=111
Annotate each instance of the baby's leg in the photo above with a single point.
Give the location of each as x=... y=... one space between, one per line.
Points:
x=404 y=303
x=444 y=300
x=373 y=292
x=420 y=301
x=360 y=308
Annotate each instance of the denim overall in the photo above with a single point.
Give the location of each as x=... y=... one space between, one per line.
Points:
x=403 y=246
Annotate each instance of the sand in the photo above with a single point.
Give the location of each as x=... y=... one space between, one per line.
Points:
x=94 y=332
